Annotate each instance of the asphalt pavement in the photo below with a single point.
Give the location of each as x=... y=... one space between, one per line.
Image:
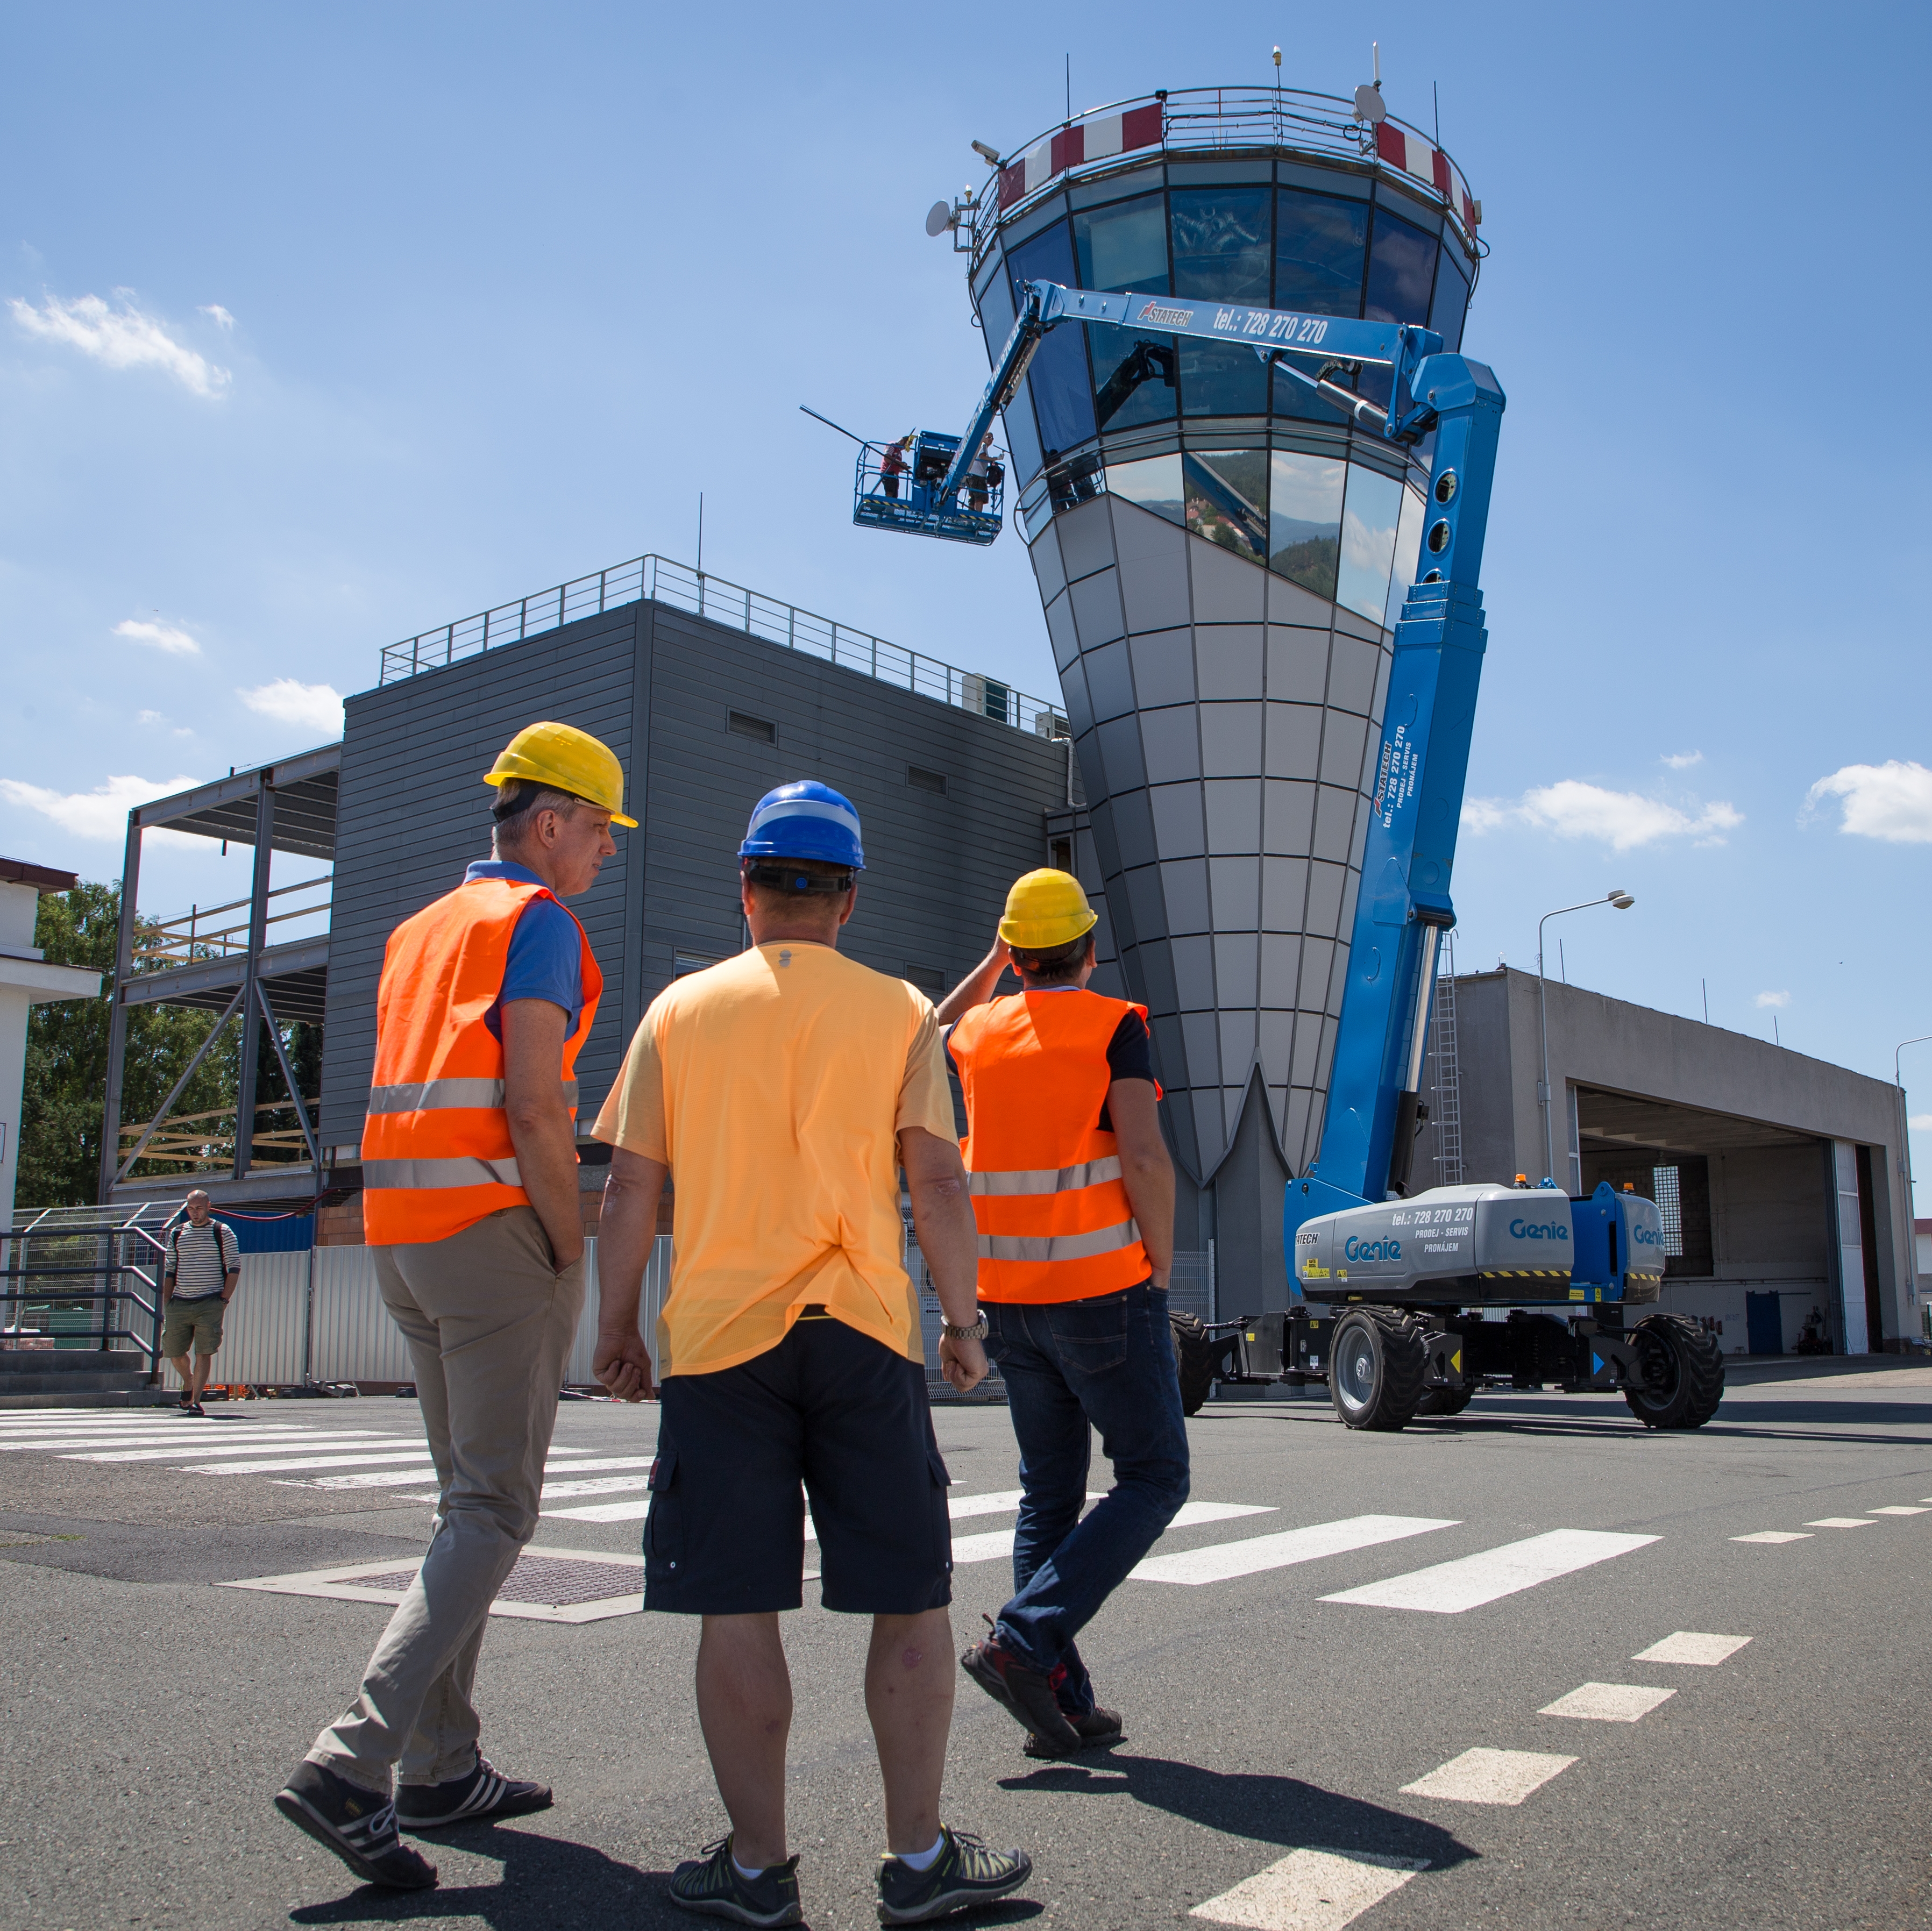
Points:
x=1530 y=1667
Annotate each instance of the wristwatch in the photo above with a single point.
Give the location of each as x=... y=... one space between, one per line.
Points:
x=977 y=1331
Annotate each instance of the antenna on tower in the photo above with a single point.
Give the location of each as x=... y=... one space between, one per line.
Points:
x=1376 y=51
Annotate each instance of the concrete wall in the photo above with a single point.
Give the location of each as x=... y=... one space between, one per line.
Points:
x=658 y=686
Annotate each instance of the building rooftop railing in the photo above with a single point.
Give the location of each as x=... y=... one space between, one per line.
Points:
x=1196 y=121
x=659 y=580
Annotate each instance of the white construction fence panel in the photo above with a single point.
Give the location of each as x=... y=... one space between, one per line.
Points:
x=350 y=1336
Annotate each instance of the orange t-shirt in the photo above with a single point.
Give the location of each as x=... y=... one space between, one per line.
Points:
x=774 y=1086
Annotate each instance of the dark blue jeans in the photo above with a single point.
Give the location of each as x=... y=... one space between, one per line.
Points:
x=1069 y=1366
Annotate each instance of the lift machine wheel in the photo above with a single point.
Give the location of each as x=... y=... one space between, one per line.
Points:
x=1683 y=1373
x=1194 y=1356
x=1377 y=1362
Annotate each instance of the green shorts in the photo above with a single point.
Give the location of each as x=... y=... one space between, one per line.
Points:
x=199 y=1320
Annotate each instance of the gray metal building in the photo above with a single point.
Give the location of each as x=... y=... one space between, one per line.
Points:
x=709 y=695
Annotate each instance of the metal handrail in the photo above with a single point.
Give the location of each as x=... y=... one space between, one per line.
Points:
x=184 y=938
x=654 y=579
x=1211 y=119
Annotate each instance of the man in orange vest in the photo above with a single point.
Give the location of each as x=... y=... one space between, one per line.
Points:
x=785 y=1091
x=470 y=1203
x=1073 y=1194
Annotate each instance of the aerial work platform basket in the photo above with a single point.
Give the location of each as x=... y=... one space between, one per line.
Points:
x=898 y=486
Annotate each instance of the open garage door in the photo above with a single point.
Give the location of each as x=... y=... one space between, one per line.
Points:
x=1750 y=1228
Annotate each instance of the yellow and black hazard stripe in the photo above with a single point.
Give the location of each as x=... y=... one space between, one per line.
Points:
x=1526 y=1274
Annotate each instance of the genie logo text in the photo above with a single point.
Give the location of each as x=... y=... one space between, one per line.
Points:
x=1355 y=1249
x=1646 y=1236
x=1538 y=1230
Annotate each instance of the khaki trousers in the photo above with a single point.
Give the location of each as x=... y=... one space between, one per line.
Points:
x=490 y=1325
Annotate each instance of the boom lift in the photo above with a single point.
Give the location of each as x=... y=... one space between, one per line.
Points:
x=1394 y=1289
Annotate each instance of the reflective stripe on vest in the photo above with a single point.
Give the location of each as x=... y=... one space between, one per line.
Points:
x=1056 y=1247
x=460 y=1172
x=437 y=1156
x=1047 y=1180
x=431 y=1095
x=1049 y=1199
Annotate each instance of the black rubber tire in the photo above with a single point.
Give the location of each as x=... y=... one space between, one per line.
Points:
x=1376 y=1362
x=1194 y=1357
x=1445 y=1401
x=1684 y=1380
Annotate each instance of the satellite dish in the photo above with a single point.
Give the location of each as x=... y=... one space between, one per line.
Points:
x=1369 y=104
x=939 y=217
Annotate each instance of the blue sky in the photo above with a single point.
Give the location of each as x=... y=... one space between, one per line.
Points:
x=323 y=326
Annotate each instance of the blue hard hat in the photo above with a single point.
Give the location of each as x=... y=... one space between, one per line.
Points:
x=808 y=820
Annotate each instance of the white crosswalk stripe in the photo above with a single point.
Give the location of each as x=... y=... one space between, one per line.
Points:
x=1222 y=1561
x=1695 y=1647
x=1449 y=1588
x=1311 y=1890
x=302 y=1444
x=1608 y=1702
x=1489 y=1777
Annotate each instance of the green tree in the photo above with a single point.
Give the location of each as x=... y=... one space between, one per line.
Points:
x=67 y=1057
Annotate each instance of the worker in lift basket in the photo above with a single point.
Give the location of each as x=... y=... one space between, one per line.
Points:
x=470 y=1165
x=1073 y=1194
x=783 y=1092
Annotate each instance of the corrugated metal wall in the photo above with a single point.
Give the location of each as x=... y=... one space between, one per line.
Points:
x=659 y=687
x=354 y=1339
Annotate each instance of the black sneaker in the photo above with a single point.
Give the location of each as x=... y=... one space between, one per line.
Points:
x=964 y=1873
x=485 y=1792
x=1097 y=1730
x=1024 y=1691
x=712 y=1884
x=358 y=1825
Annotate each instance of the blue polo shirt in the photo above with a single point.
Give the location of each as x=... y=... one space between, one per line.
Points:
x=546 y=958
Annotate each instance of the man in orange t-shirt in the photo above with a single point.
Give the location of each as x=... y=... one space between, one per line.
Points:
x=783 y=1091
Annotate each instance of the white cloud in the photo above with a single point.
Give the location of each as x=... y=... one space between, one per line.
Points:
x=99 y=813
x=149 y=718
x=1920 y=1122
x=1779 y=999
x=1682 y=760
x=219 y=315
x=1892 y=800
x=316 y=707
x=127 y=337
x=160 y=636
x=1622 y=820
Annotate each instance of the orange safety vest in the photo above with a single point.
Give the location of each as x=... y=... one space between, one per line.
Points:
x=1054 y=1221
x=436 y=1152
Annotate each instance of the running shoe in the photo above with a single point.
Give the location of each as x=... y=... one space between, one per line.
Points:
x=485 y=1792
x=712 y=1884
x=1097 y=1730
x=965 y=1872
x=357 y=1824
x=1024 y=1692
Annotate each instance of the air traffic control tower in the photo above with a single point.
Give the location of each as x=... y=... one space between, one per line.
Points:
x=1221 y=558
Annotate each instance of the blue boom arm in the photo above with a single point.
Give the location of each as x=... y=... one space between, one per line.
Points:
x=1403 y=907
x=1275 y=335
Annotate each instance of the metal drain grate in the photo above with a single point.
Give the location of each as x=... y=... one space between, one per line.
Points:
x=552 y=1580
x=559 y=1581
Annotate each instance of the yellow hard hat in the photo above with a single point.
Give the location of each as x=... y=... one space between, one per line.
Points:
x=1046 y=910
x=570 y=760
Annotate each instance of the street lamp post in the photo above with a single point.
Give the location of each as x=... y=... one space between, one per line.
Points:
x=1623 y=901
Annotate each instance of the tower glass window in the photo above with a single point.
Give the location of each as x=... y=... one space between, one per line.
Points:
x=1062 y=401
x=1118 y=248
x=1305 y=520
x=1223 y=238
x=1370 y=518
x=1227 y=500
